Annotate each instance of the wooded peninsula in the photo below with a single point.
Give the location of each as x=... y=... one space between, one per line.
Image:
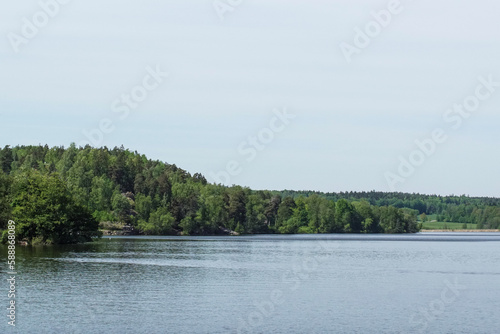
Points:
x=67 y=195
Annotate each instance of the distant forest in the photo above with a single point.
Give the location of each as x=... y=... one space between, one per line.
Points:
x=61 y=195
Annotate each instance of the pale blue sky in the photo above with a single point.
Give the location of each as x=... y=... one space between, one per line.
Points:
x=352 y=120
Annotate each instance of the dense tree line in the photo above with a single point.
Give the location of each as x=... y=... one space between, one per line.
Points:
x=484 y=211
x=46 y=189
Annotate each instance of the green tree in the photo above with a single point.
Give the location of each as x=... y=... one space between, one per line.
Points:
x=44 y=210
x=143 y=206
x=160 y=223
x=67 y=160
x=6 y=159
x=271 y=210
x=5 y=209
x=327 y=223
x=365 y=210
x=189 y=225
x=346 y=215
x=285 y=211
x=237 y=207
x=299 y=220
x=314 y=205
x=184 y=204
x=101 y=193
x=211 y=214
x=121 y=206
x=255 y=217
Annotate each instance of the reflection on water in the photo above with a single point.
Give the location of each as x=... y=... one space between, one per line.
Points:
x=325 y=284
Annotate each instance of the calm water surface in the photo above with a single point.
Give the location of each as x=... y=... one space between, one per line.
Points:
x=423 y=283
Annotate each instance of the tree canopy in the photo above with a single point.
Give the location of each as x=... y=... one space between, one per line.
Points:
x=60 y=194
x=44 y=210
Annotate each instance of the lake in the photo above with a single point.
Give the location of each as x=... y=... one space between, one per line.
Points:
x=421 y=283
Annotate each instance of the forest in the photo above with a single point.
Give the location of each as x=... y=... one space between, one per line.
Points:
x=63 y=195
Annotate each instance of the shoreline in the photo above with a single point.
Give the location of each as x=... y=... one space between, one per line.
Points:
x=458 y=230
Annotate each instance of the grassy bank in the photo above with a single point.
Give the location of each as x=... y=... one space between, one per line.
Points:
x=469 y=231
x=447 y=226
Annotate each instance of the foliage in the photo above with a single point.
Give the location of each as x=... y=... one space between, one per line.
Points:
x=51 y=188
x=45 y=210
x=160 y=222
x=5 y=209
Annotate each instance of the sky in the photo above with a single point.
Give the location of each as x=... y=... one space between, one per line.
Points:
x=330 y=96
